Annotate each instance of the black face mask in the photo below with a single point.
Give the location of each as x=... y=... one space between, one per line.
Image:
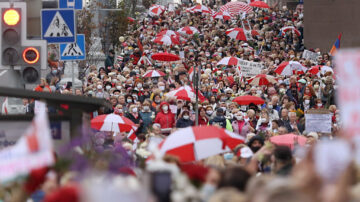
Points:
x=255 y=149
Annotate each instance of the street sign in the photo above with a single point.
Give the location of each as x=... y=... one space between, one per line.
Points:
x=58 y=25
x=74 y=4
x=74 y=51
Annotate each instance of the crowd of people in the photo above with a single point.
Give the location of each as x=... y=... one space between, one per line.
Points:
x=257 y=170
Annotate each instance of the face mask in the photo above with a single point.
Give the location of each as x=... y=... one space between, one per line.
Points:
x=118 y=87
x=114 y=80
x=255 y=149
x=224 y=109
x=162 y=87
x=186 y=117
x=191 y=107
x=129 y=100
x=259 y=92
x=99 y=87
x=316 y=86
x=108 y=87
x=319 y=104
x=157 y=101
x=307 y=102
x=270 y=107
x=292 y=56
x=239 y=118
x=165 y=108
x=135 y=110
x=209 y=112
x=277 y=61
x=228 y=156
x=208 y=190
x=54 y=71
x=90 y=92
x=146 y=108
x=139 y=85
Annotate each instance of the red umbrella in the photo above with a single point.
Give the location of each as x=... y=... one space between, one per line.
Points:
x=239 y=34
x=112 y=123
x=188 y=30
x=130 y=19
x=236 y=8
x=166 y=57
x=248 y=99
x=196 y=143
x=154 y=73
x=262 y=79
x=259 y=4
x=288 y=140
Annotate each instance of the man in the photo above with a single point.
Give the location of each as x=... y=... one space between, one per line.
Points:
x=293 y=126
x=53 y=73
x=220 y=120
x=273 y=114
x=284 y=117
x=283 y=161
x=109 y=62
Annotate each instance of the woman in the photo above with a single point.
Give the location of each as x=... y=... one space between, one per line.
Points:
x=146 y=115
x=184 y=121
x=240 y=126
x=203 y=119
x=156 y=101
x=264 y=124
x=134 y=116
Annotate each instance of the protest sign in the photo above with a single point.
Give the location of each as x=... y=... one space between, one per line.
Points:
x=318 y=121
x=348 y=93
x=309 y=55
x=250 y=69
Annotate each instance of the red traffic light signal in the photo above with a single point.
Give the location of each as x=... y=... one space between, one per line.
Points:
x=31 y=55
x=11 y=17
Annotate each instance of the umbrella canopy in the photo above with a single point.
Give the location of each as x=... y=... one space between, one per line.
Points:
x=112 y=123
x=130 y=19
x=254 y=33
x=223 y=15
x=185 y=93
x=166 y=57
x=229 y=61
x=188 y=30
x=325 y=69
x=196 y=143
x=290 y=67
x=316 y=70
x=154 y=73
x=236 y=8
x=156 y=10
x=262 y=79
x=200 y=9
x=259 y=4
x=239 y=34
x=288 y=140
x=168 y=33
x=290 y=28
x=166 y=40
x=248 y=99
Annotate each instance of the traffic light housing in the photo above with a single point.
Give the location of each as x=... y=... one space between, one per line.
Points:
x=28 y=57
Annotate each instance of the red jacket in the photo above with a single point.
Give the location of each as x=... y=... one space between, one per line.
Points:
x=202 y=121
x=166 y=120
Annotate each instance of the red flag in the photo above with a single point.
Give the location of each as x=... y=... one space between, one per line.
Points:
x=140 y=45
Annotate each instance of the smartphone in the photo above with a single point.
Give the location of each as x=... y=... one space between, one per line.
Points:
x=161 y=185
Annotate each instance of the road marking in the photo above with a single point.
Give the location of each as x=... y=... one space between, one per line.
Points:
x=3 y=72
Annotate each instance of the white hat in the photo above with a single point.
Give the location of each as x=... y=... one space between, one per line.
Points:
x=314 y=135
x=245 y=152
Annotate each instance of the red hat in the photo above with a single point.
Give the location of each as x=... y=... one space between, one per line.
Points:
x=266 y=18
x=215 y=90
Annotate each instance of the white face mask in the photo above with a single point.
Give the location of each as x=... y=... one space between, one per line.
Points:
x=135 y=110
x=209 y=112
x=162 y=87
x=139 y=85
x=263 y=120
x=319 y=105
x=146 y=108
x=99 y=87
x=118 y=87
x=165 y=108
x=270 y=107
x=129 y=100
x=108 y=87
x=307 y=102
x=186 y=117
x=239 y=118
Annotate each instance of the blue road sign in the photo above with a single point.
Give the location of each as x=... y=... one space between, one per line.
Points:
x=58 y=25
x=75 y=4
x=74 y=51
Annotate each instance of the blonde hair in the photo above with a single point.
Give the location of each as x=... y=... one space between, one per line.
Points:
x=215 y=161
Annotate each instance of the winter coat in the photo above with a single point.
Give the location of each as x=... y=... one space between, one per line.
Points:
x=183 y=123
x=166 y=120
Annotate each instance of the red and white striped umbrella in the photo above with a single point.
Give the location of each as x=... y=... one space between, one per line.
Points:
x=156 y=10
x=239 y=34
x=254 y=32
x=166 y=40
x=259 y=4
x=196 y=143
x=229 y=61
x=316 y=70
x=144 y=60
x=185 y=93
x=290 y=28
x=154 y=73
x=168 y=33
x=200 y=9
x=262 y=79
x=112 y=123
x=188 y=30
x=236 y=8
x=223 y=15
x=290 y=68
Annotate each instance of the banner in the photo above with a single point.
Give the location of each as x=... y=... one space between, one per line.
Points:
x=348 y=92
x=250 y=69
x=309 y=55
x=32 y=151
x=319 y=122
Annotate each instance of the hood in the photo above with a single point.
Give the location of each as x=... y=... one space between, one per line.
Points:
x=162 y=104
x=219 y=118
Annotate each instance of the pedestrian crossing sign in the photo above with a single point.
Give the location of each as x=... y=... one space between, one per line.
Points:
x=74 y=51
x=58 y=25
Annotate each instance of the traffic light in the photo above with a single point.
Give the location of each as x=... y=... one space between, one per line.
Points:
x=28 y=57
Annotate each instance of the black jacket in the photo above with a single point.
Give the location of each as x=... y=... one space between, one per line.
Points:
x=218 y=120
x=183 y=123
